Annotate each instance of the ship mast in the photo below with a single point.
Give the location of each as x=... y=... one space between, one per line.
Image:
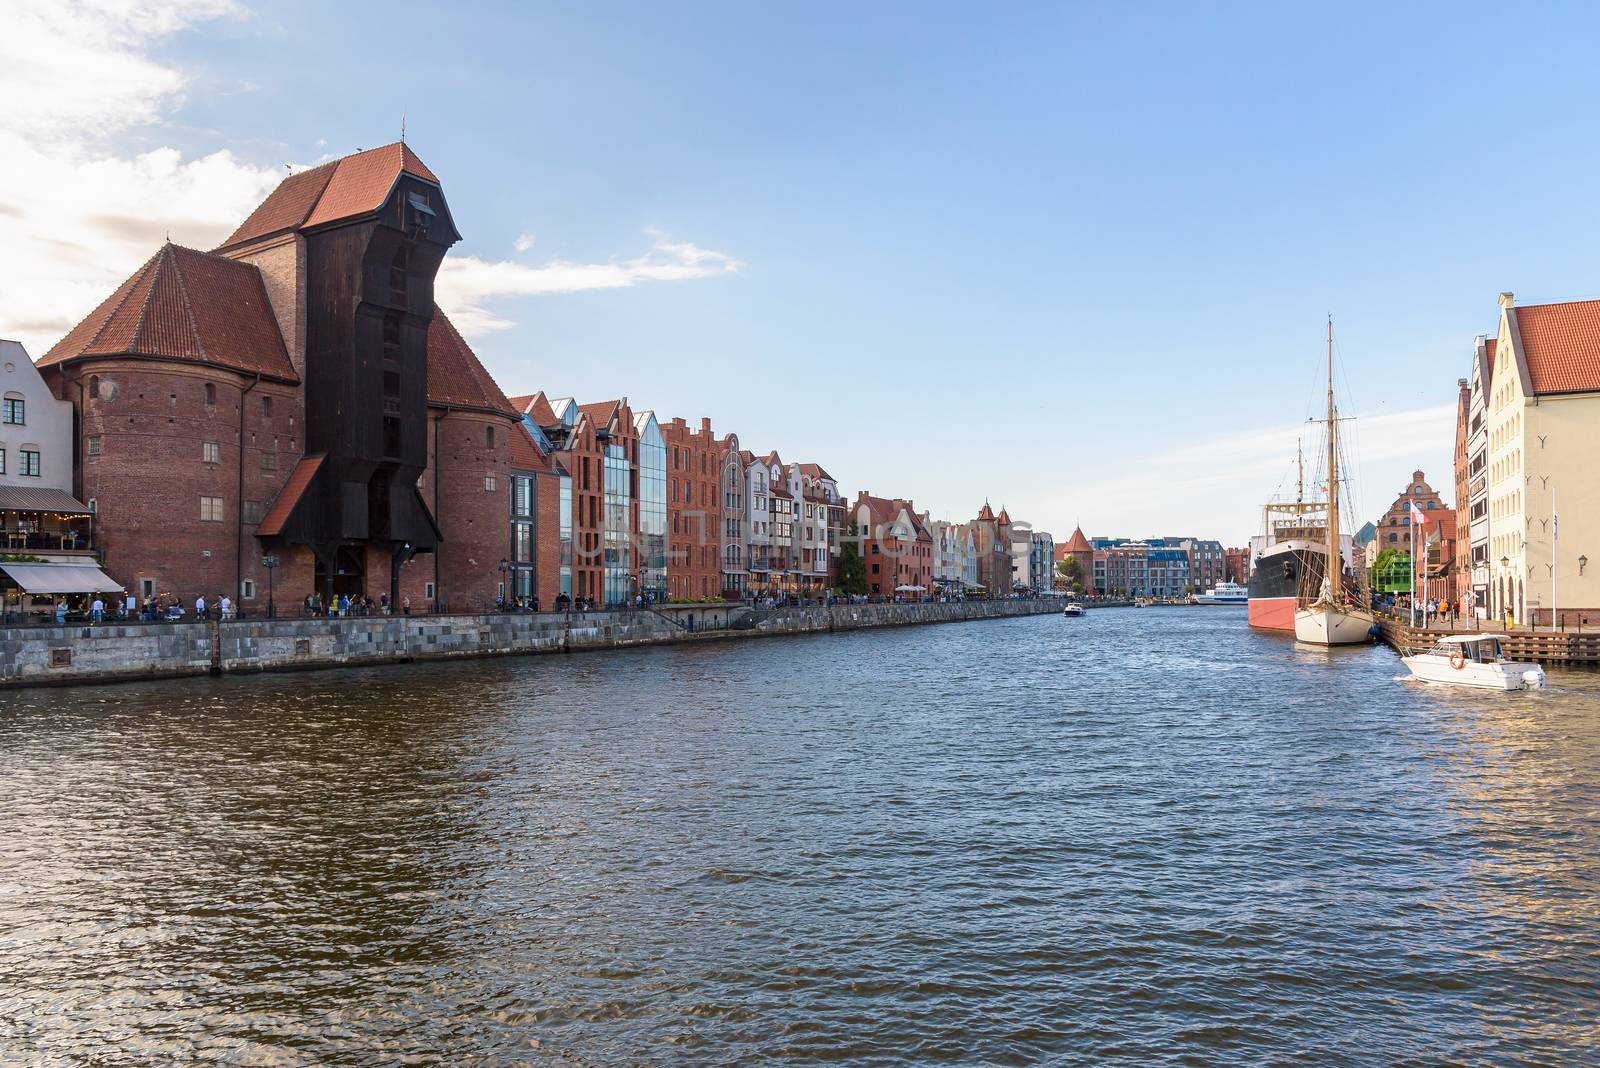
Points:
x=1299 y=473
x=1335 y=556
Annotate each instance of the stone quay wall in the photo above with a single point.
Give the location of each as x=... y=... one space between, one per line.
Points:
x=43 y=656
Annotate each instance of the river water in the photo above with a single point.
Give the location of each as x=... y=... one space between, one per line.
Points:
x=1140 y=836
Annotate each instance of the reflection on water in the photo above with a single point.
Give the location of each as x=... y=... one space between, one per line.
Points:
x=1148 y=836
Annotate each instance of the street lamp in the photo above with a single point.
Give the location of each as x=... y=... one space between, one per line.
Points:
x=1583 y=562
x=270 y=562
x=505 y=567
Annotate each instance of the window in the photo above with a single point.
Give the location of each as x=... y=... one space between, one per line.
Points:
x=488 y=439
x=247 y=590
x=92 y=445
x=147 y=587
x=211 y=394
x=211 y=509
x=250 y=511
x=266 y=407
x=94 y=386
x=2 y=461
x=30 y=462
x=94 y=505
x=15 y=410
x=210 y=452
x=488 y=482
x=269 y=461
x=427 y=591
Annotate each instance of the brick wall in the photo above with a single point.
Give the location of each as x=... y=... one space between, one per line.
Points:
x=474 y=519
x=143 y=433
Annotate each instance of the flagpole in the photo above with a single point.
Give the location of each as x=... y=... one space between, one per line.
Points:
x=1555 y=546
x=1413 y=568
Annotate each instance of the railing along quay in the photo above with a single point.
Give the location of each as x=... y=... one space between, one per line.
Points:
x=1567 y=648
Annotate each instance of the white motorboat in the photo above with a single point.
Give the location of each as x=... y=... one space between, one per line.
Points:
x=1225 y=593
x=1073 y=608
x=1473 y=660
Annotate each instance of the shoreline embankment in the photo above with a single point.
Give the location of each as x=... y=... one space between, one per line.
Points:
x=116 y=652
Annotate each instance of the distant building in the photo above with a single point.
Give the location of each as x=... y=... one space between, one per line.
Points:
x=1237 y=565
x=1206 y=564
x=1157 y=567
x=1078 y=548
x=1032 y=558
x=1435 y=540
x=897 y=548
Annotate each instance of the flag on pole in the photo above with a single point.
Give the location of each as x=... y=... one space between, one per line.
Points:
x=1418 y=516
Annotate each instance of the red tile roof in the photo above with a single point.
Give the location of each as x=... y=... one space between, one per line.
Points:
x=1488 y=356
x=1561 y=345
x=600 y=413
x=815 y=471
x=1003 y=517
x=341 y=189
x=284 y=504
x=525 y=455
x=455 y=377
x=185 y=305
x=986 y=513
x=1078 y=543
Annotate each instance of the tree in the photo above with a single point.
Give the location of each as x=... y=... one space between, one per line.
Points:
x=1071 y=573
x=852 y=568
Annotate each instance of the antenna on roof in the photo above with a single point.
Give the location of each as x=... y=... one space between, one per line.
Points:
x=402 y=127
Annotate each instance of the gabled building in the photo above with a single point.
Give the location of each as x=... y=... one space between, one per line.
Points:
x=1543 y=431
x=284 y=391
x=694 y=508
x=1476 y=503
x=895 y=546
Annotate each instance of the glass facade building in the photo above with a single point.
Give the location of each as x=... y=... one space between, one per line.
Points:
x=616 y=542
x=566 y=535
x=652 y=510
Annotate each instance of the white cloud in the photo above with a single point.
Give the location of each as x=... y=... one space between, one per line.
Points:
x=1215 y=488
x=76 y=214
x=523 y=242
x=466 y=283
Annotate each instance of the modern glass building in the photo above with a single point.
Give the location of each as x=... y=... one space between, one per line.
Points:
x=616 y=542
x=566 y=535
x=652 y=508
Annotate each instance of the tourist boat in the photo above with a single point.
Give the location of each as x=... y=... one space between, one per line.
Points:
x=1337 y=612
x=1474 y=660
x=1224 y=593
x=1073 y=608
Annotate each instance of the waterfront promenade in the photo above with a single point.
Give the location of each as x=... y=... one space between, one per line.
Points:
x=34 y=656
x=1574 y=646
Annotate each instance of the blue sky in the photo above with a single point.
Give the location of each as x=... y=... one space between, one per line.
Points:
x=1076 y=259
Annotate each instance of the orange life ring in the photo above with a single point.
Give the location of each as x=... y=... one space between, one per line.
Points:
x=1458 y=660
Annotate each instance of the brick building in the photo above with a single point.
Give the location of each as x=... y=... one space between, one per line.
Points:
x=284 y=392
x=694 y=564
x=895 y=545
x=1236 y=565
x=1078 y=548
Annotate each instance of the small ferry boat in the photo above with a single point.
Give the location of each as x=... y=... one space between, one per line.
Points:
x=1225 y=593
x=1473 y=660
x=1073 y=608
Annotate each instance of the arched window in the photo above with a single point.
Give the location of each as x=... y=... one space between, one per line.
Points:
x=211 y=394
x=94 y=386
x=488 y=436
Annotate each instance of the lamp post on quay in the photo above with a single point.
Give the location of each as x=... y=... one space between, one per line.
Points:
x=270 y=562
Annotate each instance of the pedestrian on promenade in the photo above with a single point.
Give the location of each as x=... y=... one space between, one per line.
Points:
x=200 y=607
x=226 y=604
x=384 y=601
x=61 y=611
x=405 y=604
x=97 y=610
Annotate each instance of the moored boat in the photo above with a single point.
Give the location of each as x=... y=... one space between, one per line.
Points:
x=1224 y=593
x=1338 y=614
x=1474 y=660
